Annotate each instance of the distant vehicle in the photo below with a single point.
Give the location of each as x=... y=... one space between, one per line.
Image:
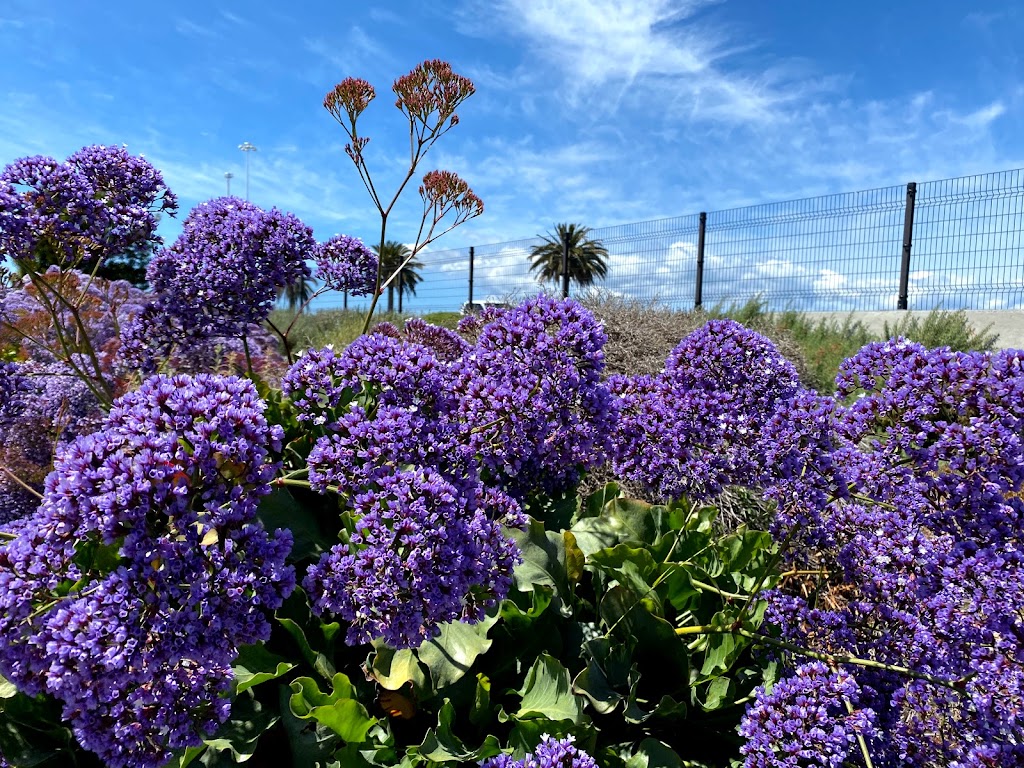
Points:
x=478 y=306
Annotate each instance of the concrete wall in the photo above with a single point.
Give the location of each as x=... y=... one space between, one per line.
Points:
x=1009 y=324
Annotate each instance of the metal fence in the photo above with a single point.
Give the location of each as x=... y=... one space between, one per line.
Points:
x=954 y=244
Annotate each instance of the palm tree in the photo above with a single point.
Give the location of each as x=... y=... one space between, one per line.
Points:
x=299 y=291
x=391 y=258
x=587 y=258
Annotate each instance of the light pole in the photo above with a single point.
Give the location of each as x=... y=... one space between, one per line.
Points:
x=248 y=148
x=228 y=177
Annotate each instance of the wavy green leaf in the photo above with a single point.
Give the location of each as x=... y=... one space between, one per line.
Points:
x=547 y=692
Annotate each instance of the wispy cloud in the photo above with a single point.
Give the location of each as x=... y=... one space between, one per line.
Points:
x=192 y=29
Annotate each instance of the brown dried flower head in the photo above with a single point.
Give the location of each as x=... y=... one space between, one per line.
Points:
x=444 y=190
x=349 y=98
x=432 y=87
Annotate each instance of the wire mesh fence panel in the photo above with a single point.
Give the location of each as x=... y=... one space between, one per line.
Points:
x=832 y=253
x=651 y=260
x=967 y=250
x=502 y=274
x=443 y=280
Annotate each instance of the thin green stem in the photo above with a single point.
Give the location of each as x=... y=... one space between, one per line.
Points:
x=831 y=658
x=721 y=592
x=21 y=482
x=248 y=357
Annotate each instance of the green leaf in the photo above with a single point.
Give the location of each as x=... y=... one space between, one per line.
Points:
x=543 y=559
x=393 y=669
x=7 y=689
x=480 y=713
x=622 y=520
x=280 y=510
x=654 y=754
x=31 y=733
x=255 y=665
x=338 y=710
x=679 y=589
x=745 y=550
x=296 y=619
x=547 y=692
x=723 y=648
x=441 y=744
x=450 y=655
x=659 y=651
x=312 y=745
x=721 y=693
x=575 y=560
x=593 y=683
x=239 y=735
x=595 y=503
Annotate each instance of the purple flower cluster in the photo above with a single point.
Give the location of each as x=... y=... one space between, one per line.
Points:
x=531 y=404
x=343 y=263
x=910 y=482
x=427 y=438
x=48 y=406
x=803 y=721
x=30 y=322
x=697 y=426
x=550 y=753
x=219 y=278
x=421 y=554
x=127 y=595
x=100 y=201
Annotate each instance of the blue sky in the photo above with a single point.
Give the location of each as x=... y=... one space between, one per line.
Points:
x=597 y=111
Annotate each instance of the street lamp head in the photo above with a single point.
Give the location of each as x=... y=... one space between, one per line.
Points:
x=245 y=146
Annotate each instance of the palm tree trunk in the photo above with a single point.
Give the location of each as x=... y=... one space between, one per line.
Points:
x=391 y=298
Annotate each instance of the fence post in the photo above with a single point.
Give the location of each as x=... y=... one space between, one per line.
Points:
x=565 y=264
x=698 y=296
x=908 y=236
x=469 y=304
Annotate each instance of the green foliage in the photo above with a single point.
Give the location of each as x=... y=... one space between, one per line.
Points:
x=618 y=631
x=339 y=327
x=943 y=328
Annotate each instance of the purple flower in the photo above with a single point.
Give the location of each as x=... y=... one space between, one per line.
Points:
x=909 y=482
x=697 y=426
x=101 y=201
x=530 y=403
x=221 y=276
x=803 y=721
x=550 y=753
x=343 y=263
x=420 y=554
x=139 y=650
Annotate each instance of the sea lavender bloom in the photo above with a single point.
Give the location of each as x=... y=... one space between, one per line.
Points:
x=394 y=371
x=550 y=753
x=221 y=276
x=343 y=263
x=102 y=308
x=229 y=262
x=915 y=480
x=101 y=201
x=697 y=426
x=420 y=555
x=530 y=403
x=803 y=721
x=139 y=651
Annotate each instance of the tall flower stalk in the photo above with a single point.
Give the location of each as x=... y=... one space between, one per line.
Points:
x=428 y=97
